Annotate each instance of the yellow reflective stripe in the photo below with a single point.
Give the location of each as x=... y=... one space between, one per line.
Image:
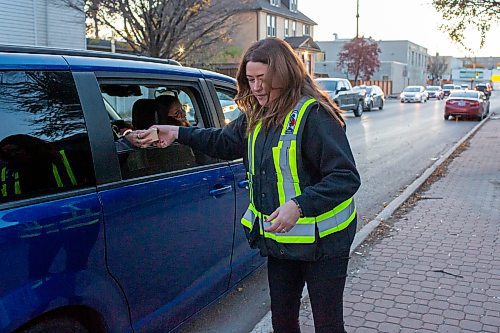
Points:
x=254 y=138
x=292 y=162
x=57 y=177
x=334 y=211
x=285 y=122
x=69 y=171
x=4 y=184
x=301 y=114
x=290 y=239
x=341 y=226
x=249 y=216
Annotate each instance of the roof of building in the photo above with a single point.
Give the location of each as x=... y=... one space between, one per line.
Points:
x=304 y=43
x=282 y=10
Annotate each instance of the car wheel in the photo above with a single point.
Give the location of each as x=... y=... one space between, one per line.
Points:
x=61 y=324
x=381 y=105
x=402 y=101
x=359 y=110
x=446 y=117
x=370 y=107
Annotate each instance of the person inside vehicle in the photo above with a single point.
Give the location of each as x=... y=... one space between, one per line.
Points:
x=171 y=111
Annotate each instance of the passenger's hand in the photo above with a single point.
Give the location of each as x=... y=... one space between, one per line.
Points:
x=166 y=134
x=133 y=138
x=284 y=217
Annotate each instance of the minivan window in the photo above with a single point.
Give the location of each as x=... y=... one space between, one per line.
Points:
x=229 y=107
x=44 y=147
x=139 y=106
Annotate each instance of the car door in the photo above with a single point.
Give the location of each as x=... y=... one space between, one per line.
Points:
x=170 y=215
x=244 y=259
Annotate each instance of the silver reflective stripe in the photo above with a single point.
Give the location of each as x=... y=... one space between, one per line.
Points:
x=336 y=219
x=288 y=187
x=249 y=215
x=297 y=230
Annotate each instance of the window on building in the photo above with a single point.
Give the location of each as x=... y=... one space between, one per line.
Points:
x=44 y=146
x=271 y=26
x=275 y=3
x=294 y=28
x=306 y=30
x=293 y=6
x=287 y=28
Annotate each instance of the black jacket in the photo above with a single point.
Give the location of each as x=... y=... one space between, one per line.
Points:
x=328 y=177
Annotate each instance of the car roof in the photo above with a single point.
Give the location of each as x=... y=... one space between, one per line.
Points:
x=43 y=58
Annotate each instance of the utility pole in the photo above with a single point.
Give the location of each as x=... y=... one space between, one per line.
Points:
x=357 y=18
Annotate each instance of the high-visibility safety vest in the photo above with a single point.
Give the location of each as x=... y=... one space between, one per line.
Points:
x=287 y=166
x=6 y=183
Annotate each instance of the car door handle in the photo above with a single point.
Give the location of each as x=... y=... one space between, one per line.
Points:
x=220 y=190
x=243 y=183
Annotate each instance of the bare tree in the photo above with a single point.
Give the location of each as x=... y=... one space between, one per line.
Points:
x=461 y=14
x=436 y=67
x=176 y=29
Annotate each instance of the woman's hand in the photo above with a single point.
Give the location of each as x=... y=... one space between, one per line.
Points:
x=166 y=135
x=284 y=217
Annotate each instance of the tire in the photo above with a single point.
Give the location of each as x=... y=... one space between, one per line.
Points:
x=402 y=101
x=370 y=107
x=359 y=110
x=446 y=117
x=381 y=107
x=59 y=325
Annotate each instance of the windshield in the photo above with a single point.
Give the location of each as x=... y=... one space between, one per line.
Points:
x=432 y=88
x=448 y=86
x=328 y=85
x=465 y=94
x=412 y=89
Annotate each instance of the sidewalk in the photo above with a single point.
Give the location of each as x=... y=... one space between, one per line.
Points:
x=435 y=267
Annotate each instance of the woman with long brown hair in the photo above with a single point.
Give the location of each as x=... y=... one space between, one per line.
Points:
x=302 y=179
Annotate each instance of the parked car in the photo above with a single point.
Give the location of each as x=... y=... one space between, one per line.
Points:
x=435 y=92
x=97 y=236
x=413 y=94
x=340 y=90
x=373 y=97
x=485 y=88
x=467 y=103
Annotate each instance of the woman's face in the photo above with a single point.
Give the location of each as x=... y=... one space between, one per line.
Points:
x=176 y=111
x=256 y=72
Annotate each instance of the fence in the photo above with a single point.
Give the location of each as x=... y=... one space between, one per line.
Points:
x=386 y=86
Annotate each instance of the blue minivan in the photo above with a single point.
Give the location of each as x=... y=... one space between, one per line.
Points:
x=98 y=236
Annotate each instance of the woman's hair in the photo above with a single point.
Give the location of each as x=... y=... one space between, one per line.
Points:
x=287 y=73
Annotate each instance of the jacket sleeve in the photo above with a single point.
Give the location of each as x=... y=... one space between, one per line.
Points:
x=226 y=143
x=328 y=160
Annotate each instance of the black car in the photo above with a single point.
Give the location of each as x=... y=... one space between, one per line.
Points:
x=342 y=93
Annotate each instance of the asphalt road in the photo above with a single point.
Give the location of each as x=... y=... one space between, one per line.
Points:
x=392 y=148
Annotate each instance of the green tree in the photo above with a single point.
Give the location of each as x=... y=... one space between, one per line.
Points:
x=462 y=14
x=176 y=29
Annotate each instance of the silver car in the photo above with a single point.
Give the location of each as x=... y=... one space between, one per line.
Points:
x=413 y=94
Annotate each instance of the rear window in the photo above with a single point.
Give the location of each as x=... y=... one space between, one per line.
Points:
x=448 y=86
x=412 y=89
x=465 y=94
x=44 y=147
x=328 y=85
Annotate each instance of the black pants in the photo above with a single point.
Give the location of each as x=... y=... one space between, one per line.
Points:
x=325 y=283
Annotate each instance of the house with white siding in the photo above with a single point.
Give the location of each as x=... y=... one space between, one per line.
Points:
x=41 y=23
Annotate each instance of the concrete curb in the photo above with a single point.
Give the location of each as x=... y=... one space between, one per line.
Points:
x=265 y=325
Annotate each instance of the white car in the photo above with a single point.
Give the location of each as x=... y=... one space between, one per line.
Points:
x=413 y=94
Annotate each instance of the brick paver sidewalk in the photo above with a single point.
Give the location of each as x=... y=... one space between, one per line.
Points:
x=438 y=267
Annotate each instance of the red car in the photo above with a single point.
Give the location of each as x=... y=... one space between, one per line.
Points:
x=467 y=103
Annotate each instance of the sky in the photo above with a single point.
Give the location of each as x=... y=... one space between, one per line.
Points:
x=413 y=20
